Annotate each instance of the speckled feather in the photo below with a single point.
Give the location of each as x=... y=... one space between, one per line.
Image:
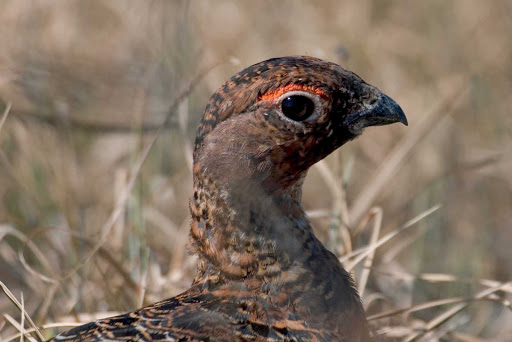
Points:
x=262 y=274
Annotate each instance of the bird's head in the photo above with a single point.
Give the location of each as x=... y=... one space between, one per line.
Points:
x=275 y=119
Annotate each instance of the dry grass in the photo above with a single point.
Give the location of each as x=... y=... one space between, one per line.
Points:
x=99 y=101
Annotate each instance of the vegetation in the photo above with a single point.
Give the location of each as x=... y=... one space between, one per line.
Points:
x=99 y=101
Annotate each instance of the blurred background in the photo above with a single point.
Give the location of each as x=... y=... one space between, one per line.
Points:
x=85 y=85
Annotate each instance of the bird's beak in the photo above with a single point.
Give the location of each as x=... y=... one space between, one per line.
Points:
x=383 y=111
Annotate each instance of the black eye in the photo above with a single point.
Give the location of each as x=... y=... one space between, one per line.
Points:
x=297 y=107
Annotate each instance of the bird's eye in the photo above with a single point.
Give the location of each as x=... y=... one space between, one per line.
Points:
x=297 y=107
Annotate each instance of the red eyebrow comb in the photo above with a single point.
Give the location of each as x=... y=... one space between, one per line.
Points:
x=276 y=93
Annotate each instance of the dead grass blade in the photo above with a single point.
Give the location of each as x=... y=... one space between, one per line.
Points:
x=26 y=241
x=14 y=323
x=42 y=327
x=376 y=215
x=22 y=323
x=24 y=314
x=54 y=279
x=467 y=338
x=446 y=315
x=440 y=277
x=11 y=172
x=400 y=246
x=125 y=193
x=183 y=123
x=361 y=253
x=339 y=207
x=443 y=277
x=47 y=302
x=7 y=165
x=431 y=304
x=4 y=115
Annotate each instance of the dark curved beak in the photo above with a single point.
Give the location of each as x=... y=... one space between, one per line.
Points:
x=383 y=111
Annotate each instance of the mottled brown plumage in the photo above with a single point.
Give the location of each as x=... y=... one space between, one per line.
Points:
x=262 y=274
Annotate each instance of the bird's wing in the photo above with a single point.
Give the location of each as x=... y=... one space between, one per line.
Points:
x=197 y=318
x=175 y=319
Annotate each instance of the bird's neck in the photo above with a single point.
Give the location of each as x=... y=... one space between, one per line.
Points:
x=240 y=231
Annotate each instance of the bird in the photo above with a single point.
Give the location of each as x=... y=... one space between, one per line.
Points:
x=262 y=274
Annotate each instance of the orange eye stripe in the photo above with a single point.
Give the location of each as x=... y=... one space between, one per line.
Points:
x=276 y=93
